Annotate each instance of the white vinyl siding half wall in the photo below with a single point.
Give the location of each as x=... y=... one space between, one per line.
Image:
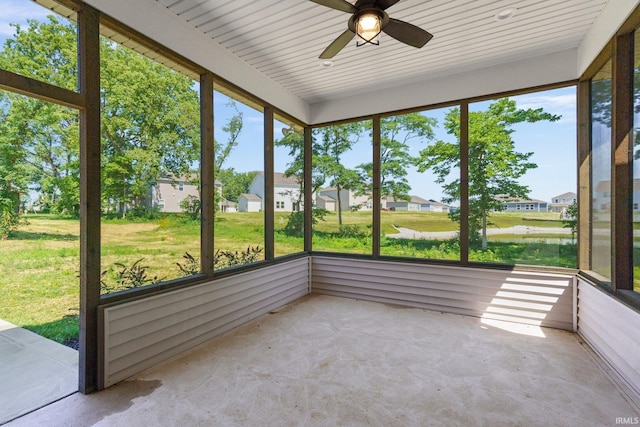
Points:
x=140 y=334
x=542 y=299
x=612 y=329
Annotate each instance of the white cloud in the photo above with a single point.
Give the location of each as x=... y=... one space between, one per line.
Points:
x=562 y=104
x=254 y=119
x=17 y=12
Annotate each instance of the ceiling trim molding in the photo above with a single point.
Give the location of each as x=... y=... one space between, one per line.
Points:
x=526 y=73
x=614 y=14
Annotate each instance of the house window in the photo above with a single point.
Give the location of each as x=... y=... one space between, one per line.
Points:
x=279 y=204
x=161 y=204
x=181 y=186
x=518 y=207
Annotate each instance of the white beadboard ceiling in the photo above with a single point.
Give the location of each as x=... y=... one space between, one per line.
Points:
x=283 y=38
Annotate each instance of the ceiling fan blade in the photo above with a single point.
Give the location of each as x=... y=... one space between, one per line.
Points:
x=407 y=33
x=341 y=5
x=337 y=45
x=385 y=4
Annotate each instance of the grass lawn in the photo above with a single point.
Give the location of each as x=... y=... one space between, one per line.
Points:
x=39 y=287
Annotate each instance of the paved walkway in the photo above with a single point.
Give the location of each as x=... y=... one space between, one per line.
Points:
x=407 y=233
x=34 y=371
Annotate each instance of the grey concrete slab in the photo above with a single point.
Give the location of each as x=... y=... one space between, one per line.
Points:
x=326 y=361
x=34 y=371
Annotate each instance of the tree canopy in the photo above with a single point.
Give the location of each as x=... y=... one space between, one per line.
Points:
x=495 y=167
x=329 y=145
x=395 y=153
x=149 y=113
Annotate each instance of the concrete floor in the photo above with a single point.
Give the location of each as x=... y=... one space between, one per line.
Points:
x=34 y=371
x=325 y=361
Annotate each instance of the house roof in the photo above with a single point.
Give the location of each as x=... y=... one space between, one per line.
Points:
x=250 y=196
x=436 y=203
x=418 y=199
x=270 y=48
x=327 y=199
x=328 y=189
x=567 y=195
x=279 y=179
x=167 y=177
x=505 y=199
x=606 y=185
x=394 y=200
x=415 y=199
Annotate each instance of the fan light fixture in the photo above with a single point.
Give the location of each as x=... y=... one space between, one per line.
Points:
x=368 y=27
x=368 y=19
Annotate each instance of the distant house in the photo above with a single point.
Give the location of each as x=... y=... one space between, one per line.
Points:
x=512 y=204
x=412 y=205
x=169 y=191
x=249 y=203
x=286 y=191
x=416 y=204
x=601 y=201
x=227 y=206
x=348 y=199
x=433 y=206
x=224 y=205
x=560 y=203
x=326 y=202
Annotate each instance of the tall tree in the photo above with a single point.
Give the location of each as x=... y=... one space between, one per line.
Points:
x=395 y=153
x=45 y=134
x=150 y=125
x=233 y=128
x=329 y=144
x=235 y=183
x=495 y=167
x=14 y=170
x=150 y=117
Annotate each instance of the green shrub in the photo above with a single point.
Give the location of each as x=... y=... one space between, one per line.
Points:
x=352 y=231
x=295 y=222
x=191 y=265
x=9 y=218
x=224 y=259
x=128 y=277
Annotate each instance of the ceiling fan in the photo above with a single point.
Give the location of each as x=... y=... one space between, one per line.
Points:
x=368 y=19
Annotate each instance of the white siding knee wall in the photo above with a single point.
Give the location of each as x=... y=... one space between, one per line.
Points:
x=140 y=334
x=612 y=329
x=541 y=299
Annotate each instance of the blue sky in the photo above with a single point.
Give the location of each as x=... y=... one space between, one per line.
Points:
x=553 y=144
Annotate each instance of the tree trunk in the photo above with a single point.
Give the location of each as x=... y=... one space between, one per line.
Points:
x=484 y=230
